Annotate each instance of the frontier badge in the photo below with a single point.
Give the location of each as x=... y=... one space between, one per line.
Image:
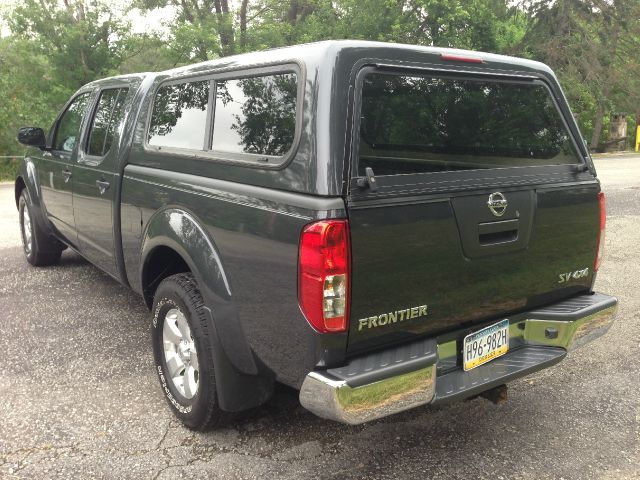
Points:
x=392 y=317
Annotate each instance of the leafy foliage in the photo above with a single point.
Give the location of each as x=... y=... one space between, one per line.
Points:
x=82 y=41
x=593 y=46
x=57 y=46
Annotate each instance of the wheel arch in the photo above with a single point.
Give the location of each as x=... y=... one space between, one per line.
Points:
x=162 y=261
x=175 y=241
x=18 y=187
x=175 y=235
x=26 y=179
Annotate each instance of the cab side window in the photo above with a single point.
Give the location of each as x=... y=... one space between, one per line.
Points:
x=69 y=125
x=106 y=121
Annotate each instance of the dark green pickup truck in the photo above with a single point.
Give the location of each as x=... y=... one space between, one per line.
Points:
x=379 y=226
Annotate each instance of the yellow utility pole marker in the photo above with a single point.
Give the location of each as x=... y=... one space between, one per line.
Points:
x=637 y=137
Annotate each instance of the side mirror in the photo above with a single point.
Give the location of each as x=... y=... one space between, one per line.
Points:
x=32 y=136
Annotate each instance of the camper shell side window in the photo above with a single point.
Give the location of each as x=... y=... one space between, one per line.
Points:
x=244 y=117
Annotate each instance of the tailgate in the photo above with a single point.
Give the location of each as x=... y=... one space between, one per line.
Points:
x=463 y=222
x=427 y=267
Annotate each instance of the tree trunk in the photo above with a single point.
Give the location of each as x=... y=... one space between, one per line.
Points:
x=243 y=24
x=292 y=15
x=81 y=17
x=225 y=27
x=597 y=126
x=608 y=74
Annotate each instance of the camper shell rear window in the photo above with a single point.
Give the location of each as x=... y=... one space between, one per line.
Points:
x=432 y=123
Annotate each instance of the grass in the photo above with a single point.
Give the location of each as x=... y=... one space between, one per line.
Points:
x=8 y=169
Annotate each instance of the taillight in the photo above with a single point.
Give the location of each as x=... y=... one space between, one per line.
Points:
x=603 y=221
x=323 y=275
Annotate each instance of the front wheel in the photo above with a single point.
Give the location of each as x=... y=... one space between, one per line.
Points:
x=183 y=353
x=39 y=248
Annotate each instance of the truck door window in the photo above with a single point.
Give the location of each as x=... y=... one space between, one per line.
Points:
x=68 y=127
x=255 y=115
x=419 y=124
x=179 y=116
x=107 y=119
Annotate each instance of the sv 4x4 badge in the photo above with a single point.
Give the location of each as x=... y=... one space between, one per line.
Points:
x=392 y=317
x=567 y=277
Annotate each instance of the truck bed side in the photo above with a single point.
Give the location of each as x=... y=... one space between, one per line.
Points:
x=252 y=234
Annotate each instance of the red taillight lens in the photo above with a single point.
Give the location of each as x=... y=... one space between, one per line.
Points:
x=323 y=275
x=603 y=222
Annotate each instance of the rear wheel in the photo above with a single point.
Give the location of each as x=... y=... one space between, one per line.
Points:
x=39 y=248
x=183 y=353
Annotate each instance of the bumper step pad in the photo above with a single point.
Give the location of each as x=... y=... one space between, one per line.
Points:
x=459 y=384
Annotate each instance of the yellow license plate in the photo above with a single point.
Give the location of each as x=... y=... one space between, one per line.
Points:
x=485 y=345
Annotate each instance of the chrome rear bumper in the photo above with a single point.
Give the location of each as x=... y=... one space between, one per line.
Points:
x=427 y=371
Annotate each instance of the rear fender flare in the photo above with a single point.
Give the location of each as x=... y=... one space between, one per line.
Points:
x=179 y=230
x=241 y=383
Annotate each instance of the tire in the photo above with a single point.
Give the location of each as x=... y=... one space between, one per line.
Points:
x=39 y=248
x=179 y=326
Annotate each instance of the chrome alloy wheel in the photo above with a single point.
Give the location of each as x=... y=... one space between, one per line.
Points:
x=180 y=353
x=27 y=234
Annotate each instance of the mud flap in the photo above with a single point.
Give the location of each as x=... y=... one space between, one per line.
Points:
x=238 y=391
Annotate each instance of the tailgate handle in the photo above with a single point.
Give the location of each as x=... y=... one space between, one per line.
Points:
x=369 y=180
x=493 y=233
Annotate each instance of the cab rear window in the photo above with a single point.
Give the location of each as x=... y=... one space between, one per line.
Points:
x=418 y=124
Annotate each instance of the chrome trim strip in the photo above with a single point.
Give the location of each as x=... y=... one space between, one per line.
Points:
x=336 y=400
x=572 y=334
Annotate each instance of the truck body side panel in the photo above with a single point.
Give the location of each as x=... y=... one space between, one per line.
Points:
x=255 y=232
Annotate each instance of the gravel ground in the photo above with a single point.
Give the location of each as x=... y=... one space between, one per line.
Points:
x=79 y=397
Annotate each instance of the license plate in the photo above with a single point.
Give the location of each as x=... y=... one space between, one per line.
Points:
x=485 y=345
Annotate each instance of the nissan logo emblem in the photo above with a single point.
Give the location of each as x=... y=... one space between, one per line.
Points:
x=497 y=204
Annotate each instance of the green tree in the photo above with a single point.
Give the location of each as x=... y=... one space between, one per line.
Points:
x=202 y=29
x=593 y=47
x=149 y=53
x=82 y=40
x=54 y=48
x=58 y=45
x=30 y=93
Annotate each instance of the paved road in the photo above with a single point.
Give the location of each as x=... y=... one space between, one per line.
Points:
x=79 y=397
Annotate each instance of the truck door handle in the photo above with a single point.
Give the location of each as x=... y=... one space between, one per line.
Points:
x=103 y=186
x=66 y=173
